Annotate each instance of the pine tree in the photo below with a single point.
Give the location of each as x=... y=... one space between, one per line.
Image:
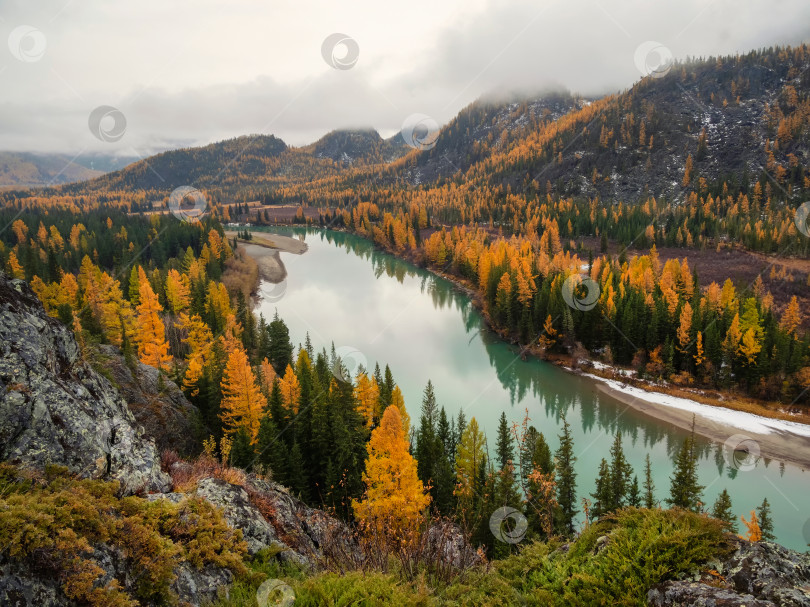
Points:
x=297 y=476
x=280 y=349
x=242 y=454
x=649 y=485
x=620 y=472
x=272 y=452
x=722 y=511
x=602 y=496
x=504 y=446
x=634 y=496
x=685 y=491
x=427 y=450
x=565 y=477
x=765 y=521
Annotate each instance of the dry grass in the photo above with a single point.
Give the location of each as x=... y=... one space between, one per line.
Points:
x=241 y=274
x=185 y=475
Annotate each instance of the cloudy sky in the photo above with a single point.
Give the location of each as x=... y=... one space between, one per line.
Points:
x=194 y=71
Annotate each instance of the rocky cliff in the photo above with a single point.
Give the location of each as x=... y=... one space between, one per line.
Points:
x=55 y=409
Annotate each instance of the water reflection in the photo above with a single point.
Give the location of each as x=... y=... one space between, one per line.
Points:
x=425 y=328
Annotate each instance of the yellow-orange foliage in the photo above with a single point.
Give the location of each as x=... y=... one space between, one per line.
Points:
x=754 y=532
x=398 y=401
x=290 y=390
x=243 y=404
x=394 y=497
x=367 y=393
x=151 y=334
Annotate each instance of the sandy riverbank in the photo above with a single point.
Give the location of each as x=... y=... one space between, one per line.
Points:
x=265 y=248
x=776 y=439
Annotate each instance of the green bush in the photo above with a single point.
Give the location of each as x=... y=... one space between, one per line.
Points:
x=614 y=562
x=53 y=521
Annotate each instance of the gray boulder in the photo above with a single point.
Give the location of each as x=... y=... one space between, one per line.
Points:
x=755 y=574
x=55 y=409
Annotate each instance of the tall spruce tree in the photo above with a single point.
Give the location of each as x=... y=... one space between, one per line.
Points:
x=428 y=444
x=504 y=446
x=620 y=473
x=603 y=495
x=765 y=521
x=649 y=484
x=685 y=490
x=722 y=511
x=634 y=495
x=565 y=477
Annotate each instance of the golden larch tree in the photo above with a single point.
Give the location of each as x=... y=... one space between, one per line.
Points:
x=367 y=393
x=151 y=334
x=290 y=390
x=243 y=403
x=398 y=401
x=395 y=497
x=791 y=318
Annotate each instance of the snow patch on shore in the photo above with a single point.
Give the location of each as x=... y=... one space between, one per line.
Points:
x=729 y=417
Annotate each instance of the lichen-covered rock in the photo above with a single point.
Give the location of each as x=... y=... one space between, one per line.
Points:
x=239 y=512
x=55 y=409
x=309 y=532
x=770 y=571
x=446 y=541
x=697 y=594
x=755 y=574
x=157 y=403
x=271 y=518
x=20 y=587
